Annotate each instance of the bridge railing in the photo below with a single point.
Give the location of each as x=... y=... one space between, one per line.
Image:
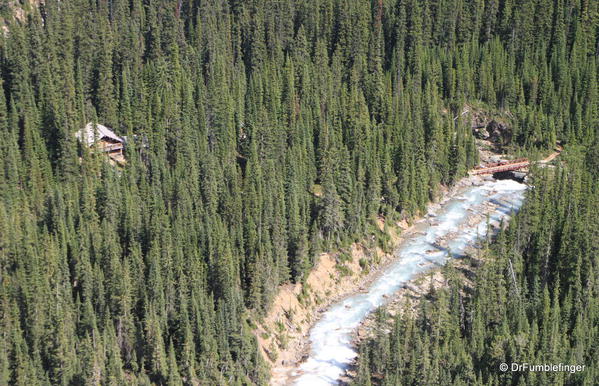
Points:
x=519 y=164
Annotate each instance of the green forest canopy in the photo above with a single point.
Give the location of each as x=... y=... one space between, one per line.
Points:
x=545 y=311
x=145 y=274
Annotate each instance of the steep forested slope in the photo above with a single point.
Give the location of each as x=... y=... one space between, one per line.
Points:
x=275 y=129
x=545 y=311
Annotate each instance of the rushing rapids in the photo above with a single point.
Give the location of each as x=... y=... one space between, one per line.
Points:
x=453 y=227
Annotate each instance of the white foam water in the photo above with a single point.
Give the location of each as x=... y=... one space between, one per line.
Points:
x=330 y=338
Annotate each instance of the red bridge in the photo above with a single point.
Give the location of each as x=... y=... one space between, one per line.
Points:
x=517 y=164
x=504 y=166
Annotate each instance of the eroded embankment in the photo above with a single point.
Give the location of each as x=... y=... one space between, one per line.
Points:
x=447 y=233
x=283 y=333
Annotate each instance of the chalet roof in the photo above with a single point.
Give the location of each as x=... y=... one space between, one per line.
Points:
x=88 y=136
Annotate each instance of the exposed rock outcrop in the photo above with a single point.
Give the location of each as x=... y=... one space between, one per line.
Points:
x=18 y=10
x=495 y=127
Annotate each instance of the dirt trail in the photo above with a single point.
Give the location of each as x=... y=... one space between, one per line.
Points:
x=552 y=156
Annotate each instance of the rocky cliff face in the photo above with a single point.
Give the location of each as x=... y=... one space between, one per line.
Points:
x=494 y=131
x=494 y=127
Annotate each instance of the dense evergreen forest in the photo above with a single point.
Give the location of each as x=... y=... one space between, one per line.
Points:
x=276 y=129
x=546 y=311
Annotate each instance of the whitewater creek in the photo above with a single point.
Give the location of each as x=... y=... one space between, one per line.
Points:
x=446 y=232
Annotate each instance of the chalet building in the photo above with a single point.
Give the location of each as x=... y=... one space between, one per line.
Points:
x=102 y=139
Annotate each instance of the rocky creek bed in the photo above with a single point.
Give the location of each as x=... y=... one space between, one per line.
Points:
x=446 y=232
